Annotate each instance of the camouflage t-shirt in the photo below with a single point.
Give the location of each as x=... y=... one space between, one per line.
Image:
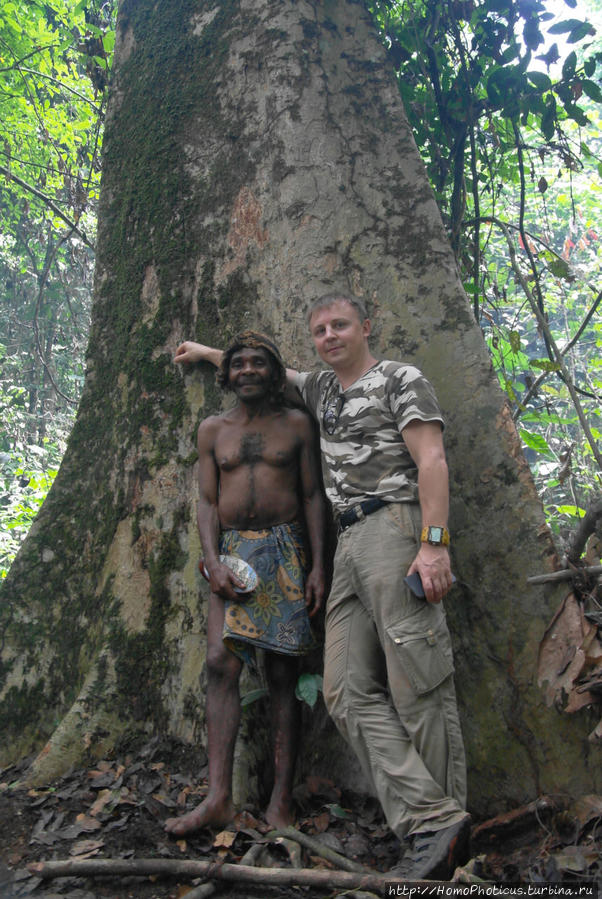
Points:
x=365 y=454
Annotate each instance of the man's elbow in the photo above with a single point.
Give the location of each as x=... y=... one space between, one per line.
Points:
x=433 y=460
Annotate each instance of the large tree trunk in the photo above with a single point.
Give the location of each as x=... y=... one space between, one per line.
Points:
x=257 y=155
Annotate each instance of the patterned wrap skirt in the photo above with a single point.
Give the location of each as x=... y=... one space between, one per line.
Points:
x=273 y=616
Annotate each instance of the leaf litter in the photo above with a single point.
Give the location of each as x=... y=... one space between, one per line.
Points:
x=116 y=809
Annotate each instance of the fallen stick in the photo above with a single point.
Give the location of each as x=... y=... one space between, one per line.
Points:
x=511 y=824
x=564 y=575
x=331 y=855
x=145 y=867
x=204 y=890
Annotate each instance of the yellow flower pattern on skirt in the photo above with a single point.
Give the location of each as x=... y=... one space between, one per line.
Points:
x=273 y=616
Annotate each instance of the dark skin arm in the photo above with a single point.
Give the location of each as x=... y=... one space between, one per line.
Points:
x=313 y=501
x=221 y=579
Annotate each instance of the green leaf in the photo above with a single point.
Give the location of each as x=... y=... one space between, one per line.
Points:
x=582 y=30
x=576 y=113
x=569 y=65
x=589 y=66
x=253 y=696
x=573 y=511
x=592 y=90
x=560 y=268
x=536 y=442
x=108 y=41
x=531 y=34
x=308 y=687
x=565 y=26
x=541 y=81
x=338 y=811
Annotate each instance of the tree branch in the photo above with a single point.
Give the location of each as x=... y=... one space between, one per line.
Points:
x=521 y=228
x=209 y=889
x=535 y=385
x=504 y=226
x=565 y=575
x=17 y=63
x=48 y=201
x=341 y=861
x=62 y=85
x=51 y=256
x=147 y=867
x=557 y=355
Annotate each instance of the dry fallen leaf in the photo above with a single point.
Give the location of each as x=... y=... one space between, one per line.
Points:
x=86 y=848
x=224 y=838
x=183 y=890
x=87 y=823
x=321 y=822
x=561 y=657
x=246 y=820
x=182 y=797
x=103 y=799
x=586 y=809
x=575 y=859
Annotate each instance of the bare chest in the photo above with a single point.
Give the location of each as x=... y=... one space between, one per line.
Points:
x=238 y=447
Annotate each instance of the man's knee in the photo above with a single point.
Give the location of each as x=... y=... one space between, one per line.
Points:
x=222 y=664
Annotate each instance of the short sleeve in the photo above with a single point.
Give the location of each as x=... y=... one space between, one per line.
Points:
x=308 y=384
x=412 y=397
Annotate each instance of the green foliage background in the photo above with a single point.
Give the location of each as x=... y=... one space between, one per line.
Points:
x=55 y=60
x=504 y=98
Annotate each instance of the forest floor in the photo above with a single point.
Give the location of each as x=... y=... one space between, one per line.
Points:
x=116 y=810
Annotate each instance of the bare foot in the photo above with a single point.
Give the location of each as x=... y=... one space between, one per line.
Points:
x=279 y=813
x=210 y=813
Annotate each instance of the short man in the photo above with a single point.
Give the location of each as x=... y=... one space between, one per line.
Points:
x=388 y=660
x=259 y=490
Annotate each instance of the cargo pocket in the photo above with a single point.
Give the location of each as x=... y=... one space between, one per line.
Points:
x=422 y=655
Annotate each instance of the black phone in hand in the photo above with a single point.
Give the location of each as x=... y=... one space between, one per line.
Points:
x=414 y=582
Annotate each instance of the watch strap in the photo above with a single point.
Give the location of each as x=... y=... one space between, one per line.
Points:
x=437 y=536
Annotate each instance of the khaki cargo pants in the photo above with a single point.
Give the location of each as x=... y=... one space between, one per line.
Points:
x=388 y=669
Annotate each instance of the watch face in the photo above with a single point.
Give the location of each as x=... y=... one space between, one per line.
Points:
x=435 y=535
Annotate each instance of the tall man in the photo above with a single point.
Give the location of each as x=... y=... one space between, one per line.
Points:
x=388 y=660
x=259 y=491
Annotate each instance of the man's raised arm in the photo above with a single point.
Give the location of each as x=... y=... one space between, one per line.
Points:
x=190 y=352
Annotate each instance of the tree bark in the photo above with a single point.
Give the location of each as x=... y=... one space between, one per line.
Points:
x=256 y=156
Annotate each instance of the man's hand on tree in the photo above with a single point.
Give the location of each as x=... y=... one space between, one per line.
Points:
x=314 y=591
x=189 y=351
x=433 y=565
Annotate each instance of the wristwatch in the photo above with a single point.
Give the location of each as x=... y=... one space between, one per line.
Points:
x=435 y=536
